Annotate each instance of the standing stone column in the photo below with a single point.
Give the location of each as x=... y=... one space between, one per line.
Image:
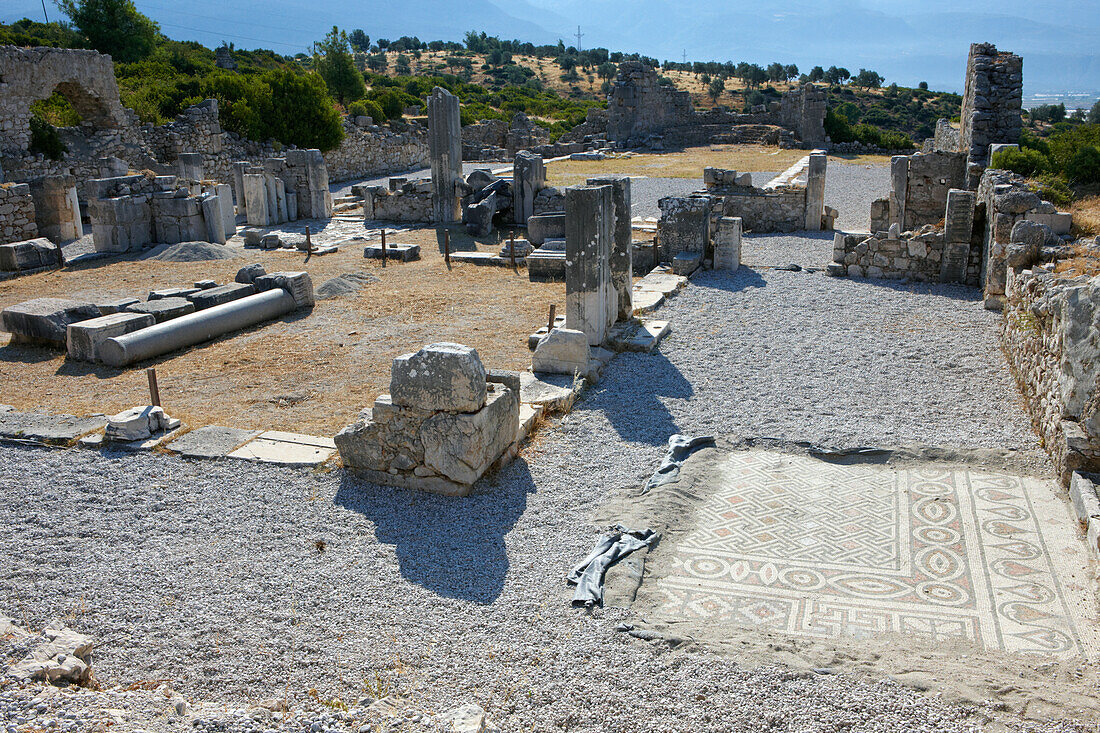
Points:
x=727 y=244
x=255 y=193
x=622 y=265
x=958 y=230
x=57 y=208
x=588 y=238
x=899 y=182
x=815 y=191
x=445 y=149
x=239 y=168
x=310 y=174
x=528 y=178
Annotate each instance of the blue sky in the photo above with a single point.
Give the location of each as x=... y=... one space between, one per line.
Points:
x=905 y=41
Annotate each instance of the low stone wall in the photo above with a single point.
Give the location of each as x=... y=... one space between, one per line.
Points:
x=412 y=202
x=377 y=151
x=16 y=213
x=917 y=256
x=1051 y=338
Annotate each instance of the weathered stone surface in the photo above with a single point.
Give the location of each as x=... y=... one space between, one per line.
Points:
x=685 y=263
x=590 y=303
x=727 y=244
x=61 y=657
x=445 y=149
x=29 y=255
x=462 y=446
x=52 y=429
x=479 y=216
x=298 y=284
x=621 y=258
x=163 y=309
x=528 y=178
x=1082 y=492
x=139 y=423
x=85 y=337
x=249 y=273
x=210 y=441
x=442 y=376
x=220 y=294
x=45 y=320
x=562 y=351
x=541 y=227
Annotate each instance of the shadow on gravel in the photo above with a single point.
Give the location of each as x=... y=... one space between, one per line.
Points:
x=631 y=403
x=744 y=278
x=944 y=290
x=453 y=547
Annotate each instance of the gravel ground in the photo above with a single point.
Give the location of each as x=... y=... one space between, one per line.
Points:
x=646 y=192
x=850 y=189
x=211 y=575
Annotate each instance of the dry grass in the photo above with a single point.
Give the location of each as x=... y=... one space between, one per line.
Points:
x=1085 y=261
x=308 y=372
x=689 y=163
x=1086 y=216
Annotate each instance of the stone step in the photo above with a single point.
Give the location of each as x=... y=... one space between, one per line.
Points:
x=286 y=449
x=642 y=336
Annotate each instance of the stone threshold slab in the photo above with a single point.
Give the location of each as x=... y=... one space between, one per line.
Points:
x=49 y=429
x=286 y=449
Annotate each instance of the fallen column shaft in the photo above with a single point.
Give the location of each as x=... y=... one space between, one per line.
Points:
x=194 y=328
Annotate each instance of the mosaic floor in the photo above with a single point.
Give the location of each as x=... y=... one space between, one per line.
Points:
x=814 y=549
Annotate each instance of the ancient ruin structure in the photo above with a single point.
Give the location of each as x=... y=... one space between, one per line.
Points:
x=443 y=425
x=991 y=105
x=591 y=305
x=445 y=133
x=920 y=184
x=620 y=260
x=639 y=109
x=528 y=178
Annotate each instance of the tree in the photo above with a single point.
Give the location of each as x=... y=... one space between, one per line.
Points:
x=790 y=71
x=923 y=85
x=754 y=76
x=401 y=66
x=302 y=114
x=715 y=88
x=607 y=70
x=333 y=61
x=817 y=74
x=867 y=79
x=776 y=72
x=835 y=75
x=1094 y=113
x=359 y=40
x=377 y=62
x=113 y=27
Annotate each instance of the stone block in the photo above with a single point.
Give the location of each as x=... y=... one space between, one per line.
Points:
x=30 y=254
x=298 y=284
x=562 y=351
x=727 y=244
x=114 y=305
x=139 y=423
x=45 y=320
x=249 y=273
x=685 y=263
x=84 y=338
x=221 y=294
x=164 y=309
x=462 y=446
x=590 y=304
x=541 y=227
x=402 y=252
x=442 y=376
x=1082 y=492
x=210 y=441
x=545 y=266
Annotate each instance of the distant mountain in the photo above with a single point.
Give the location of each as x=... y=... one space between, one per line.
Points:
x=906 y=42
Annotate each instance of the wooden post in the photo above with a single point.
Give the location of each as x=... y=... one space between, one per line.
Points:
x=553 y=317
x=656 y=253
x=447 y=246
x=309 y=241
x=383 y=246
x=512 y=249
x=154 y=390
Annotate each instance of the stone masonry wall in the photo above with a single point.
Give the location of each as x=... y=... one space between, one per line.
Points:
x=1051 y=340
x=638 y=105
x=991 y=105
x=16 y=213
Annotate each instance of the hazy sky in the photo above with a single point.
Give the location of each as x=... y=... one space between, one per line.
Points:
x=905 y=40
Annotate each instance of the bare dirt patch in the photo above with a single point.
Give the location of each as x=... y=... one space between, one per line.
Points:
x=689 y=163
x=309 y=372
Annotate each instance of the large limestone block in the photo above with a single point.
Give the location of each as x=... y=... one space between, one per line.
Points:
x=85 y=338
x=139 y=423
x=45 y=320
x=29 y=255
x=562 y=351
x=298 y=284
x=441 y=376
x=463 y=446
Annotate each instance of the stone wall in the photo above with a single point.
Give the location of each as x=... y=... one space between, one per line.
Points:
x=803 y=111
x=638 y=106
x=17 y=221
x=412 y=202
x=991 y=105
x=910 y=256
x=377 y=151
x=784 y=204
x=1051 y=338
x=919 y=186
x=946 y=139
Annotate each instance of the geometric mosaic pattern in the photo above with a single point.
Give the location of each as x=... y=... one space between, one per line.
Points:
x=810 y=548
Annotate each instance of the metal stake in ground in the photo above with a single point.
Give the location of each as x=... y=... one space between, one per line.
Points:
x=656 y=253
x=553 y=317
x=447 y=246
x=154 y=390
x=383 y=247
x=512 y=249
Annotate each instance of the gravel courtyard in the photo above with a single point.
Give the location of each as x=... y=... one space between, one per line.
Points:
x=235 y=583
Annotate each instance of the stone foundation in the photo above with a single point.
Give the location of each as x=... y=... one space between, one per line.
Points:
x=17 y=216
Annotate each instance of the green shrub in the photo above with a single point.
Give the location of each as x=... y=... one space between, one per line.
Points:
x=367 y=108
x=1025 y=161
x=45 y=140
x=1084 y=166
x=1052 y=188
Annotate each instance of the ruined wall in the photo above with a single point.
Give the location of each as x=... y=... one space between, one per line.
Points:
x=377 y=151
x=929 y=176
x=907 y=257
x=991 y=105
x=85 y=78
x=638 y=106
x=787 y=203
x=803 y=111
x=412 y=202
x=16 y=213
x=1051 y=338
x=946 y=139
